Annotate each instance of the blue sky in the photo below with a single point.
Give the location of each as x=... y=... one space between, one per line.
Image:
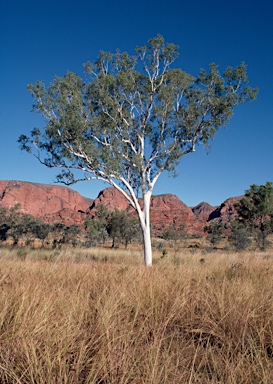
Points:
x=41 y=39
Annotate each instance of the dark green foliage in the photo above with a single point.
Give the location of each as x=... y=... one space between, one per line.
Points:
x=20 y=226
x=3 y=231
x=215 y=231
x=71 y=234
x=18 y=223
x=159 y=245
x=4 y=225
x=96 y=227
x=255 y=210
x=40 y=230
x=95 y=236
x=239 y=236
x=122 y=229
x=196 y=236
x=164 y=253
x=116 y=225
x=64 y=234
x=175 y=232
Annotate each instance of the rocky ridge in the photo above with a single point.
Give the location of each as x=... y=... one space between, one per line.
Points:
x=54 y=203
x=203 y=211
x=165 y=210
x=48 y=202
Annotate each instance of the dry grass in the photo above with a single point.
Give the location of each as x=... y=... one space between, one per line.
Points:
x=100 y=317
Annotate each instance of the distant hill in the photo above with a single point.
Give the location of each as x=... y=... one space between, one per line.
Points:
x=48 y=202
x=54 y=203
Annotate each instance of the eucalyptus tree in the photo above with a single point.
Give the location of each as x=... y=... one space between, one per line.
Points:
x=255 y=211
x=122 y=228
x=131 y=118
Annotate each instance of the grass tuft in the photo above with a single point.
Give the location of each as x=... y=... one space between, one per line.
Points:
x=77 y=316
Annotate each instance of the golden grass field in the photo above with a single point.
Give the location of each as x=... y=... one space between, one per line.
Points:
x=99 y=316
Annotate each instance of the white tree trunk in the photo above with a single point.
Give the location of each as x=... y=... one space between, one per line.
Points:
x=146 y=231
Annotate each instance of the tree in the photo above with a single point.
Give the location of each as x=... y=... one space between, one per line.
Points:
x=71 y=234
x=28 y=228
x=39 y=229
x=97 y=226
x=175 y=232
x=17 y=223
x=65 y=234
x=215 y=231
x=130 y=231
x=122 y=228
x=239 y=236
x=4 y=225
x=134 y=118
x=255 y=210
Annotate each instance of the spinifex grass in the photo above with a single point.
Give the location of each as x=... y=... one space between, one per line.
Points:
x=113 y=321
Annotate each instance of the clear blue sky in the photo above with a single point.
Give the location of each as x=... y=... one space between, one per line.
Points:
x=41 y=39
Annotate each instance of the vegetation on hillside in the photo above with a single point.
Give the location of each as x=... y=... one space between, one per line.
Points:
x=25 y=228
x=253 y=220
x=249 y=227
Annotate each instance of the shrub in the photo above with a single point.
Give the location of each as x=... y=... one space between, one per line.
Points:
x=239 y=237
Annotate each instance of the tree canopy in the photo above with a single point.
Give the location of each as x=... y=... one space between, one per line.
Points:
x=131 y=118
x=255 y=210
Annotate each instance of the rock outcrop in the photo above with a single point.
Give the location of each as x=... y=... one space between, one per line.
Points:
x=165 y=210
x=54 y=203
x=112 y=199
x=51 y=203
x=203 y=211
x=226 y=210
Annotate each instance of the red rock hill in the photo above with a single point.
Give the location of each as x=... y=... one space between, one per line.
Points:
x=165 y=210
x=56 y=203
x=203 y=211
x=51 y=203
x=226 y=211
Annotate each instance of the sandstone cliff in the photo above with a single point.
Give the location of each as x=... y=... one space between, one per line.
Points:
x=165 y=210
x=51 y=203
x=226 y=210
x=203 y=211
x=61 y=204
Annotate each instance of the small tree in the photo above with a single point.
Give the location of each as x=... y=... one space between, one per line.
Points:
x=215 y=231
x=121 y=228
x=255 y=210
x=4 y=225
x=18 y=223
x=57 y=231
x=135 y=118
x=96 y=226
x=65 y=234
x=131 y=231
x=95 y=236
x=239 y=236
x=39 y=229
x=175 y=232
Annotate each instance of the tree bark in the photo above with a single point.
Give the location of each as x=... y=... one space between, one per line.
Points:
x=146 y=233
x=146 y=230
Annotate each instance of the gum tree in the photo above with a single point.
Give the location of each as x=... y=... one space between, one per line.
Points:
x=132 y=118
x=255 y=211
